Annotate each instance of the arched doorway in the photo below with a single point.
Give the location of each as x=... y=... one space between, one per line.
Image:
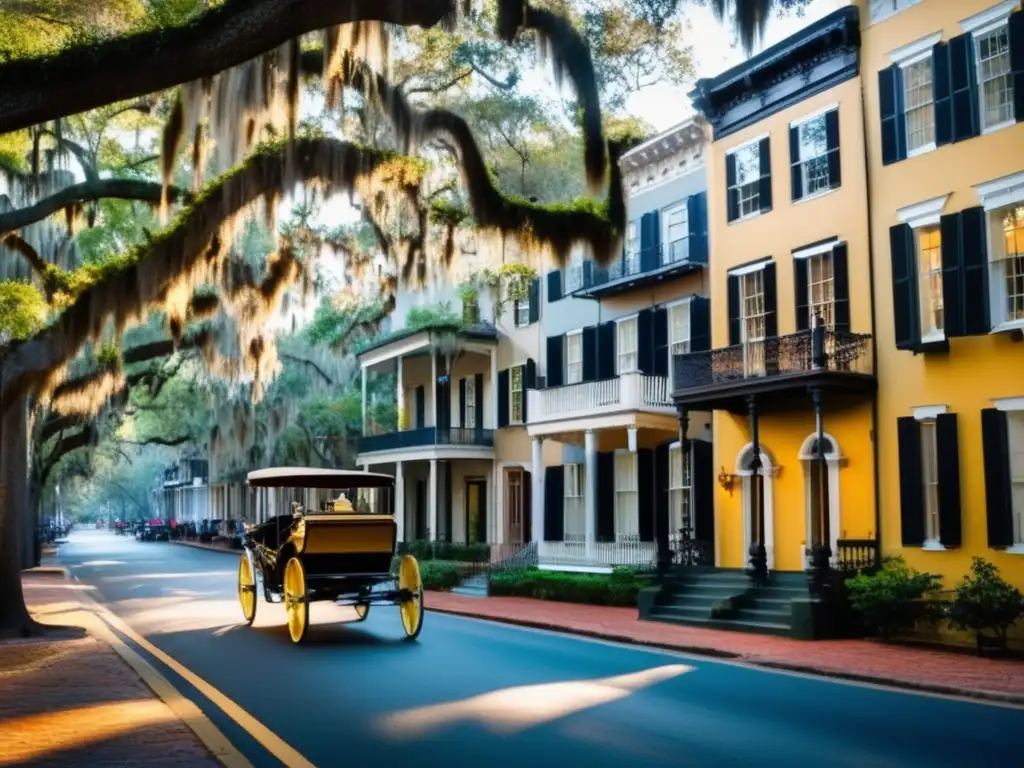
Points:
x=768 y=472
x=834 y=460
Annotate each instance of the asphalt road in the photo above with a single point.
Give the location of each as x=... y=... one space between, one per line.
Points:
x=472 y=693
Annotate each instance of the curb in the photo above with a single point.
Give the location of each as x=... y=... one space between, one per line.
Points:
x=207 y=547
x=854 y=677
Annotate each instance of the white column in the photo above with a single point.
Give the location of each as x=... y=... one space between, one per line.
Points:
x=590 y=499
x=401 y=398
x=364 y=399
x=433 y=392
x=537 y=492
x=400 y=499
x=494 y=389
x=432 y=500
x=497 y=504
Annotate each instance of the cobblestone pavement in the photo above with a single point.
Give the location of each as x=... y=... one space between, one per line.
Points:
x=936 y=670
x=70 y=700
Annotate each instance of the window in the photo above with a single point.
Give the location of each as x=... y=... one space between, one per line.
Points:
x=514 y=505
x=753 y=321
x=919 y=105
x=470 y=404
x=575 y=509
x=1006 y=249
x=574 y=274
x=574 y=358
x=995 y=78
x=929 y=259
x=930 y=481
x=679 y=490
x=626 y=513
x=632 y=254
x=883 y=9
x=678 y=329
x=626 y=346
x=523 y=312
x=516 y=394
x=820 y=289
x=1015 y=427
x=748 y=179
x=675 y=237
x=812 y=144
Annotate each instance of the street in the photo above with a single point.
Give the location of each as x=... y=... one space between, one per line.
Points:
x=475 y=693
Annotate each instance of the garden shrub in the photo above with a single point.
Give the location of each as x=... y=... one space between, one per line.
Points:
x=895 y=597
x=985 y=601
x=444 y=550
x=618 y=588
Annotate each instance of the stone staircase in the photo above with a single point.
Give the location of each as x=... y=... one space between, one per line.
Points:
x=719 y=598
x=475 y=586
x=479 y=585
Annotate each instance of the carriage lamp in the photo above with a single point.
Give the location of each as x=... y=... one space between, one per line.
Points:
x=725 y=479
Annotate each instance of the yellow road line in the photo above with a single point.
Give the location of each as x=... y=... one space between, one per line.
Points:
x=267 y=738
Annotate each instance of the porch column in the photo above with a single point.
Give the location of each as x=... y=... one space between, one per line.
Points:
x=590 y=500
x=819 y=535
x=403 y=417
x=433 y=387
x=494 y=388
x=537 y=492
x=364 y=398
x=758 y=567
x=432 y=502
x=497 y=500
x=400 y=500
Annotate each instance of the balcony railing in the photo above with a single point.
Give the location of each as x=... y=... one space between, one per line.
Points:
x=856 y=555
x=598 y=554
x=424 y=436
x=797 y=353
x=630 y=391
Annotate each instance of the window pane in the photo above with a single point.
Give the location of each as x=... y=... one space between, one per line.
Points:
x=994 y=77
x=820 y=288
x=812 y=138
x=679 y=329
x=748 y=164
x=929 y=259
x=930 y=479
x=920 y=112
x=1008 y=261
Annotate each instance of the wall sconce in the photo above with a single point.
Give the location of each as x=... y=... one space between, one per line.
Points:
x=725 y=480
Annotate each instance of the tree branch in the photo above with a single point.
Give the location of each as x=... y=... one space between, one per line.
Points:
x=123 y=189
x=304 y=361
x=55 y=426
x=156 y=440
x=91 y=75
x=66 y=445
x=441 y=87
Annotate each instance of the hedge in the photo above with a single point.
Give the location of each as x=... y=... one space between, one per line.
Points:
x=618 y=588
x=445 y=550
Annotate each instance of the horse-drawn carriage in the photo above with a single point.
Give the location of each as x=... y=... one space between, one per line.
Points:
x=335 y=543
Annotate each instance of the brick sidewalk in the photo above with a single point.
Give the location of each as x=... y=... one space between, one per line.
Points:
x=864 y=660
x=71 y=701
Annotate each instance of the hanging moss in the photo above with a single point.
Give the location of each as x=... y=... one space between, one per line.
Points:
x=449 y=214
x=22 y=310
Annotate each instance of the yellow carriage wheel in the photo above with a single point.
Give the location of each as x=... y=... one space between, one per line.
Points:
x=247 y=589
x=296 y=602
x=411 y=610
x=362 y=611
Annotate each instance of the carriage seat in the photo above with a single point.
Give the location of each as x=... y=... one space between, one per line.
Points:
x=274 y=532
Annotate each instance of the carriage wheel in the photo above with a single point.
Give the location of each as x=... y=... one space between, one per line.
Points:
x=362 y=611
x=296 y=600
x=247 y=589
x=411 y=610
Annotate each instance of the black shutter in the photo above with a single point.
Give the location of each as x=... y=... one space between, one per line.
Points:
x=650 y=239
x=660 y=366
x=947 y=448
x=801 y=292
x=964 y=87
x=1016 y=33
x=503 y=386
x=911 y=489
x=796 y=178
x=697 y=219
x=732 y=195
x=478 y=401
x=645 y=493
x=733 y=298
x=841 y=288
x=942 y=93
x=661 y=500
x=952 y=276
x=554 y=285
x=700 y=324
x=590 y=352
x=556 y=366
x=554 y=504
x=462 y=402
x=890 y=100
x=904 y=287
x=835 y=171
x=765 y=186
x=974 y=256
x=420 y=395
x=529 y=382
x=606 y=350
x=645 y=341
x=534 y=294
x=771 y=315
x=702 y=481
x=995 y=440
x=605 y=496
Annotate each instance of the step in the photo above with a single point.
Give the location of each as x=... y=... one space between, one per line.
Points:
x=752 y=627
x=780 y=593
x=759 y=614
x=475 y=581
x=682 y=612
x=469 y=591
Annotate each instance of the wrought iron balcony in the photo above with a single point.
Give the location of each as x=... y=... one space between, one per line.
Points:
x=635 y=269
x=426 y=436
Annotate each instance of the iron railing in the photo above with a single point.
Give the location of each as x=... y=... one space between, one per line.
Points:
x=855 y=555
x=795 y=353
x=688 y=551
x=417 y=438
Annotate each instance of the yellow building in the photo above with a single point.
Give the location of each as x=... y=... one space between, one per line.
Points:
x=944 y=101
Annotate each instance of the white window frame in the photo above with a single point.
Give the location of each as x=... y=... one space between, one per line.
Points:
x=683 y=344
x=753 y=349
x=1014 y=407
x=512 y=392
x=924 y=215
x=681 y=490
x=755 y=199
x=577 y=335
x=573 y=274
x=926 y=415
x=470 y=404
x=523 y=312
x=574 y=502
x=632 y=247
x=994 y=196
x=992 y=22
x=627 y=518
x=666 y=240
x=803 y=161
x=881 y=10
x=907 y=56
x=619 y=322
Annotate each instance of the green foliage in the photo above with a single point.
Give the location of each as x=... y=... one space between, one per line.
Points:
x=445 y=550
x=508 y=283
x=895 y=597
x=437 y=316
x=22 y=310
x=447 y=213
x=985 y=601
x=619 y=588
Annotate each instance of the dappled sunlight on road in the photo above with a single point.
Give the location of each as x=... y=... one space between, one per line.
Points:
x=514 y=709
x=32 y=737
x=167 y=576
x=101 y=563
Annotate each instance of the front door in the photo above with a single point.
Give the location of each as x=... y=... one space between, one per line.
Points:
x=476 y=511
x=515 y=532
x=421 y=509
